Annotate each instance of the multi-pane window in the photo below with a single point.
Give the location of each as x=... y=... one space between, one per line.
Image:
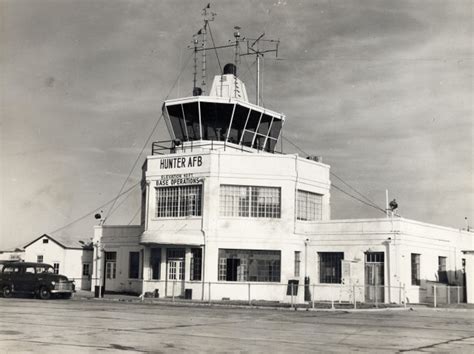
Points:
x=297 y=263
x=39 y=258
x=442 y=273
x=110 y=265
x=374 y=257
x=86 y=269
x=196 y=264
x=308 y=206
x=250 y=201
x=155 y=263
x=249 y=265
x=415 y=269
x=330 y=267
x=45 y=240
x=134 y=265
x=56 y=268
x=176 y=202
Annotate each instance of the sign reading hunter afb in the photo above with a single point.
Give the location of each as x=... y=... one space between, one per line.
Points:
x=181 y=170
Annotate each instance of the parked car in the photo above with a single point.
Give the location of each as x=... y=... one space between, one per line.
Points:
x=36 y=279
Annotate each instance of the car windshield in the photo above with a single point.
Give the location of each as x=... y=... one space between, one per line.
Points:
x=45 y=269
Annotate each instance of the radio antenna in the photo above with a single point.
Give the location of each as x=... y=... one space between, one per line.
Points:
x=207 y=17
x=259 y=47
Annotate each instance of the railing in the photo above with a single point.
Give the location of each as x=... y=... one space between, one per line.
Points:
x=172 y=146
x=292 y=294
x=446 y=295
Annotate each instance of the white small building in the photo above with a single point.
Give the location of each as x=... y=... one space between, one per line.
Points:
x=225 y=216
x=12 y=255
x=69 y=258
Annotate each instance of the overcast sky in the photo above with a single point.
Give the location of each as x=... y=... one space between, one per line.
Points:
x=383 y=90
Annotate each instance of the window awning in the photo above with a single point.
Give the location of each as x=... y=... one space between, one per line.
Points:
x=173 y=237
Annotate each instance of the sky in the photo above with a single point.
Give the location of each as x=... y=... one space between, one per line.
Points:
x=382 y=90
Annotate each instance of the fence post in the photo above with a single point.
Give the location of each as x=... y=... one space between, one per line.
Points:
x=250 y=301
x=291 y=295
x=459 y=298
x=174 y=284
x=332 y=299
x=434 y=294
x=376 y=303
x=449 y=294
x=312 y=298
x=209 y=292
x=354 y=295
x=404 y=296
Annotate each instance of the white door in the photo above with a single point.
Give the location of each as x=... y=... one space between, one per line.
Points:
x=175 y=277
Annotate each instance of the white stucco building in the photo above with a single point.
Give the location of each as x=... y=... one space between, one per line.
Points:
x=225 y=216
x=69 y=258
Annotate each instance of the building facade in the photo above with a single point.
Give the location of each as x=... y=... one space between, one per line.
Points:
x=225 y=217
x=71 y=259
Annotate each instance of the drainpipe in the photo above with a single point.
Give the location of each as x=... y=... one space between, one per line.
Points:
x=389 y=273
x=204 y=239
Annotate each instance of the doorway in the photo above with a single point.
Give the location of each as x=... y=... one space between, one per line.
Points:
x=374 y=277
x=175 y=271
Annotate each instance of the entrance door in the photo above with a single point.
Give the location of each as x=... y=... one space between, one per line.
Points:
x=175 y=271
x=374 y=277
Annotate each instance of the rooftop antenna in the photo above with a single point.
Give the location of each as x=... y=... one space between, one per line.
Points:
x=207 y=17
x=236 y=57
x=259 y=47
x=195 y=43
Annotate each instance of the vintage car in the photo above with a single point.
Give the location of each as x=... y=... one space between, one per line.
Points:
x=33 y=278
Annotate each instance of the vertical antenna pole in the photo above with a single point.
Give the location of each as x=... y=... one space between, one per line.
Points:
x=195 y=41
x=386 y=202
x=204 y=38
x=258 y=80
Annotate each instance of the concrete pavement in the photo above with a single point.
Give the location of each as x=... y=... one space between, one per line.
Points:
x=85 y=326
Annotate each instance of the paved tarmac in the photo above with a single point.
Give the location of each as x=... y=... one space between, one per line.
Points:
x=87 y=326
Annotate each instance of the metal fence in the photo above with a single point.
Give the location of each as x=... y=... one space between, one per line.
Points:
x=292 y=294
x=445 y=295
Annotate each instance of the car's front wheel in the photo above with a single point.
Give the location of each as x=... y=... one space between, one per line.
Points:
x=7 y=291
x=44 y=293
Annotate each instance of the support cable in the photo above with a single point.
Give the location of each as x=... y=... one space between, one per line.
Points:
x=147 y=140
x=214 y=45
x=92 y=211
x=358 y=199
x=367 y=201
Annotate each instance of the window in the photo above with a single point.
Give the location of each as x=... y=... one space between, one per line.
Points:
x=297 y=263
x=196 y=264
x=176 y=202
x=110 y=265
x=45 y=240
x=330 y=267
x=442 y=273
x=134 y=265
x=415 y=269
x=308 y=206
x=374 y=257
x=86 y=271
x=39 y=259
x=30 y=270
x=155 y=263
x=9 y=269
x=249 y=201
x=56 y=268
x=249 y=265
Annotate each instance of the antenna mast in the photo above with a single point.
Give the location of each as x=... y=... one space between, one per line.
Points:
x=207 y=17
x=254 y=48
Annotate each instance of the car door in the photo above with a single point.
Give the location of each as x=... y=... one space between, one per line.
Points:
x=27 y=279
x=10 y=275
